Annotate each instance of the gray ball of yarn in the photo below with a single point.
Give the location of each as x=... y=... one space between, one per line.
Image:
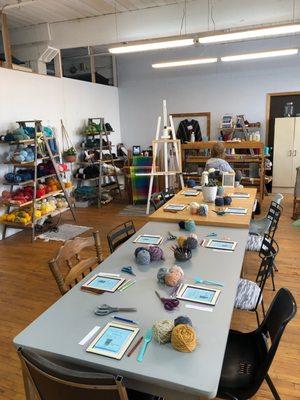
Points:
x=143 y=257
x=182 y=319
x=161 y=274
x=203 y=209
x=191 y=243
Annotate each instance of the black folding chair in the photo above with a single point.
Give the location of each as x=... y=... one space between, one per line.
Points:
x=157 y=200
x=120 y=234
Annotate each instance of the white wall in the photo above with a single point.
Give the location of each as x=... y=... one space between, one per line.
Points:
x=237 y=88
x=25 y=96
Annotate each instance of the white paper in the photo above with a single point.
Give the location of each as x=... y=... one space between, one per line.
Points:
x=89 y=336
x=201 y=308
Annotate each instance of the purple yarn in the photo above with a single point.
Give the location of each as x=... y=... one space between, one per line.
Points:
x=227 y=200
x=156 y=253
x=191 y=243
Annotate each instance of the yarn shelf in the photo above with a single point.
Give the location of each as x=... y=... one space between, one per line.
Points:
x=102 y=136
x=47 y=146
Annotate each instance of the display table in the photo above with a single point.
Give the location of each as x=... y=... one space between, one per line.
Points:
x=164 y=371
x=227 y=220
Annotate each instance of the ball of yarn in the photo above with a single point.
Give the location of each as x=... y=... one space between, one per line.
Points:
x=227 y=200
x=219 y=202
x=181 y=224
x=194 y=207
x=183 y=338
x=193 y=235
x=143 y=257
x=190 y=183
x=161 y=274
x=220 y=191
x=183 y=319
x=162 y=331
x=174 y=276
x=181 y=241
x=203 y=209
x=190 y=225
x=191 y=243
x=238 y=175
x=156 y=253
x=138 y=249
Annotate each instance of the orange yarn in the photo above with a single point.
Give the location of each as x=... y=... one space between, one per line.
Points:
x=184 y=338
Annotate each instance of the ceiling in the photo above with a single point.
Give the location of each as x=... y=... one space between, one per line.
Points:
x=41 y=11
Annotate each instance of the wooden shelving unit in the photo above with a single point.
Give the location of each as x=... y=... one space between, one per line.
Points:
x=102 y=134
x=201 y=153
x=11 y=205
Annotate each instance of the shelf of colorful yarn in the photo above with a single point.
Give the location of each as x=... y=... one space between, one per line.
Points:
x=170 y=276
x=180 y=333
x=145 y=255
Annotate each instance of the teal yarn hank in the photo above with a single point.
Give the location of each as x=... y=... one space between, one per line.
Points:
x=190 y=226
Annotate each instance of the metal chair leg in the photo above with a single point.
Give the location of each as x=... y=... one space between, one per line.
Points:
x=257 y=317
x=275 y=268
x=272 y=277
x=263 y=308
x=272 y=388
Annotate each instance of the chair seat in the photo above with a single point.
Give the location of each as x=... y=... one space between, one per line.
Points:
x=254 y=242
x=259 y=226
x=244 y=354
x=247 y=295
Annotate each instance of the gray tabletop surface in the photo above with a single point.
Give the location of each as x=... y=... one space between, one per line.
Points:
x=164 y=371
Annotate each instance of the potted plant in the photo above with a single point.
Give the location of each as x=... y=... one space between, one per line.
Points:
x=209 y=191
x=70 y=155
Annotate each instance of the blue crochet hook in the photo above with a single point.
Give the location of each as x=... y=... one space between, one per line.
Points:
x=128 y=270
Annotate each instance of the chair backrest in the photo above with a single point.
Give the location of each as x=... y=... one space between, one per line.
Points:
x=120 y=234
x=69 y=267
x=269 y=247
x=46 y=380
x=168 y=193
x=157 y=200
x=274 y=214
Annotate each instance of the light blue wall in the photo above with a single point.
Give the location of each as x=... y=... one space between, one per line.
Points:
x=237 y=88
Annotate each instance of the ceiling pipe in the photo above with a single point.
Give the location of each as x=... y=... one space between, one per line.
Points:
x=19 y=4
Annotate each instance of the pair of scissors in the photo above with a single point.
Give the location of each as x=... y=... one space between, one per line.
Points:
x=171 y=236
x=169 y=304
x=219 y=212
x=128 y=270
x=105 y=309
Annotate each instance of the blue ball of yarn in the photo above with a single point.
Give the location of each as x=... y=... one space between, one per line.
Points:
x=161 y=274
x=143 y=257
x=181 y=224
x=203 y=209
x=190 y=183
x=191 y=243
x=138 y=249
x=182 y=319
x=227 y=200
x=190 y=225
x=219 y=202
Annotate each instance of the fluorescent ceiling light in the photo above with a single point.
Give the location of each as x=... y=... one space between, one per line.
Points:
x=183 y=63
x=265 y=54
x=152 y=46
x=251 y=34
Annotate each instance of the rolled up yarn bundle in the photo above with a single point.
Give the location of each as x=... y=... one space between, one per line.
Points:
x=203 y=209
x=162 y=272
x=170 y=276
x=194 y=207
x=162 y=331
x=142 y=256
x=156 y=253
x=182 y=319
x=191 y=243
x=220 y=191
x=183 y=338
x=181 y=224
x=219 y=202
x=227 y=200
x=190 y=225
x=190 y=183
x=181 y=241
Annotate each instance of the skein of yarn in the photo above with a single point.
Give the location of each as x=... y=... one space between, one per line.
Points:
x=170 y=276
x=184 y=338
x=182 y=319
x=181 y=224
x=191 y=243
x=162 y=272
x=227 y=200
x=219 y=202
x=190 y=225
x=181 y=241
x=190 y=183
x=162 y=331
x=203 y=209
x=142 y=256
x=194 y=207
x=156 y=253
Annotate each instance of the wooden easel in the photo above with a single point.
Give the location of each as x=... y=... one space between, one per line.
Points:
x=167 y=139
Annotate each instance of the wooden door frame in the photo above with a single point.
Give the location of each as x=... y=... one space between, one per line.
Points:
x=268 y=108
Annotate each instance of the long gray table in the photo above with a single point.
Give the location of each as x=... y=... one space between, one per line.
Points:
x=164 y=371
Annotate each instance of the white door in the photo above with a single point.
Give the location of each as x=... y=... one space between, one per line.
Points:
x=296 y=150
x=283 y=152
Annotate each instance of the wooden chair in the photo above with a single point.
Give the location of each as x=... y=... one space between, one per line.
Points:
x=68 y=259
x=296 y=207
x=47 y=380
x=120 y=234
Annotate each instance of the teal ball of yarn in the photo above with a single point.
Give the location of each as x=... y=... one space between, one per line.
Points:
x=143 y=257
x=203 y=209
x=220 y=191
x=182 y=319
x=219 y=202
x=190 y=226
x=227 y=200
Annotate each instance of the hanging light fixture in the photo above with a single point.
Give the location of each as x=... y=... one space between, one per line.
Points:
x=264 y=54
x=184 y=63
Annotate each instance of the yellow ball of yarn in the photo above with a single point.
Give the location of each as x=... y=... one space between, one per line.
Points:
x=184 y=338
x=181 y=240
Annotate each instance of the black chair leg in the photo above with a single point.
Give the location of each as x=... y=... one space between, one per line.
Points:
x=257 y=317
x=275 y=268
x=272 y=388
x=272 y=277
x=263 y=308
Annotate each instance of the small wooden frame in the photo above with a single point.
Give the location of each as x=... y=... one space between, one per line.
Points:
x=191 y=193
x=199 y=294
x=113 y=340
x=236 y=210
x=217 y=244
x=102 y=282
x=153 y=240
x=175 y=207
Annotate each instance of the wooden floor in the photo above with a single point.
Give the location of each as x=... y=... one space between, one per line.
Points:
x=27 y=289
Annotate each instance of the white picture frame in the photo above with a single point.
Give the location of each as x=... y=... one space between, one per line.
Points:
x=113 y=340
x=191 y=193
x=220 y=244
x=199 y=294
x=228 y=179
x=236 y=210
x=151 y=240
x=240 y=195
x=101 y=282
x=175 y=207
